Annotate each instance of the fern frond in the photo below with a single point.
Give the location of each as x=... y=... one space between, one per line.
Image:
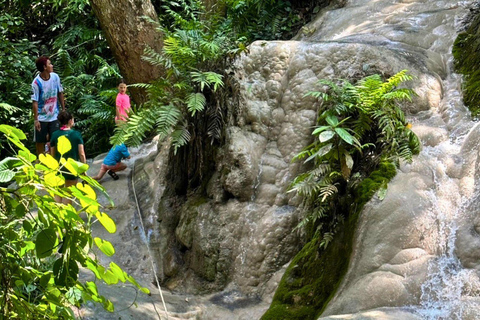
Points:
x=196 y=102
x=180 y=137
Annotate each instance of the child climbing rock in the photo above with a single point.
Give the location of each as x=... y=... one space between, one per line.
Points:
x=113 y=162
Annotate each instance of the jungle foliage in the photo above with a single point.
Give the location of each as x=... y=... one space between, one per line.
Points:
x=68 y=32
x=43 y=243
x=198 y=47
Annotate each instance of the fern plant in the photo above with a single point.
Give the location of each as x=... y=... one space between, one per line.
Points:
x=193 y=57
x=359 y=126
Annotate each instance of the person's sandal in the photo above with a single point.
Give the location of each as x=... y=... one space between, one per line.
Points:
x=113 y=175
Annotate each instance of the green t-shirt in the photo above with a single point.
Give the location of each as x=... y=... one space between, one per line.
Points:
x=75 y=139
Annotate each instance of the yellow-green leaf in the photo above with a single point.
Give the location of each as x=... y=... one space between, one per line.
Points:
x=63 y=145
x=94 y=268
x=54 y=180
x=27 y=155
x=106 y=221
x=89 y=192
x=92 y=287
x=79 y=166
x=49 y=161
x=108 y=305
x=105 y=246
x=118 y=271
x=69 y=166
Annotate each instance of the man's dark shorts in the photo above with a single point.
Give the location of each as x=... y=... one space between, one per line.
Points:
x=46 y=128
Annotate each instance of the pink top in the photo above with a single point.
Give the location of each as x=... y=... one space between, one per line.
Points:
x=123 y=106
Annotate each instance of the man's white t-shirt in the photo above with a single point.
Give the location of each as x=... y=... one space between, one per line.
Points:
x=46 y=94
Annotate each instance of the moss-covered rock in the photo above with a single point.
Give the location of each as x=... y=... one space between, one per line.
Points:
x=466 y=51
x=314 y=275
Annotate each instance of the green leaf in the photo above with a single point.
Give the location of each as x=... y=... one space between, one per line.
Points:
x=347 y=137
x=321 y=152
x=196 y=102
x=92 y=287
x=107 y=275
x=145 y=290
x=6 y=172
x=45 y=242
x=118 y=271
x=326 y=135
x=106 y=221
x=105 y=246
x=320 y=129
x=332 y=120
x=29 y=245
x=54 y=180
x=108 y=305
x=12 y=132
x=74 y=295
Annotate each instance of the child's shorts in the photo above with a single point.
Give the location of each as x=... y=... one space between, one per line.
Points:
x=113 y=168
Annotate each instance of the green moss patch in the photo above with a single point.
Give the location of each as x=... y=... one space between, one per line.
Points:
x=314 y=274
x=466 y=51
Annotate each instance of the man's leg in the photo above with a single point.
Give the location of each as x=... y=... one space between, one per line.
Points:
x=40 y=148
x=40 y=137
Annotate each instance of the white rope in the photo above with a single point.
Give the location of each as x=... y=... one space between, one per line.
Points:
x=148 y=246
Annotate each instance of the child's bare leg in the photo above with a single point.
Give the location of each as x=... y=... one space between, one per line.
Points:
x=100 y=173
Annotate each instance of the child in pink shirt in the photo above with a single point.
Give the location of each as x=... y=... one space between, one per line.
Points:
x=123 y=102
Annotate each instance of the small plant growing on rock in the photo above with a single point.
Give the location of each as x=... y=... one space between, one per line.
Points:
x=358 y=128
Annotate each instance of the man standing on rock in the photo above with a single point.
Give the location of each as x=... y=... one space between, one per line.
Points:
x=46 y=100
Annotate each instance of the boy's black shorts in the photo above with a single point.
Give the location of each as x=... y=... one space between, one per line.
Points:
x=46 y=128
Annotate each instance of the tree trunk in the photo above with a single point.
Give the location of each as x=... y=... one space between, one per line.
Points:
x=128 y=34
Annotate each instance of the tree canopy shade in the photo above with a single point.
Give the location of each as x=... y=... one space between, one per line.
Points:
x=128 y=34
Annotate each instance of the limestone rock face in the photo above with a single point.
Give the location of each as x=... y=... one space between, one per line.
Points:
x=240 y=234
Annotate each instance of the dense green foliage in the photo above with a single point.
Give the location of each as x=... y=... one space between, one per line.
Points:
x=198 y=47
x=43 y=243
x=69 y=33
x=360 y=138
x=466 y=51
x=193 y=57
x=359 y=126
x=198 y=42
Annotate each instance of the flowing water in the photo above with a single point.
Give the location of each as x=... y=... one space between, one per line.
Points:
x=423 y=32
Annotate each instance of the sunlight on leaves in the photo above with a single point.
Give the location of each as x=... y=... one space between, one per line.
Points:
x=106 y=222
x=49 y=161
x=64 y=145
x=105 y=246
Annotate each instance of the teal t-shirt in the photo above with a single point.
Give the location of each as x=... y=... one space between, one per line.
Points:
x=75 y=139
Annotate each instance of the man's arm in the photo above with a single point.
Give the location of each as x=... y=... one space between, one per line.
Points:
x=35 y=115
x=61 y=98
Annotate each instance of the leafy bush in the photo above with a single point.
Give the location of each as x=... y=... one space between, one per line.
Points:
x=193 y=57
x=43 y=243
x=359 y=127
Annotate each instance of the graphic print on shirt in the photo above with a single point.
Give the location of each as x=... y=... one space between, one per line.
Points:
x=46 y=94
